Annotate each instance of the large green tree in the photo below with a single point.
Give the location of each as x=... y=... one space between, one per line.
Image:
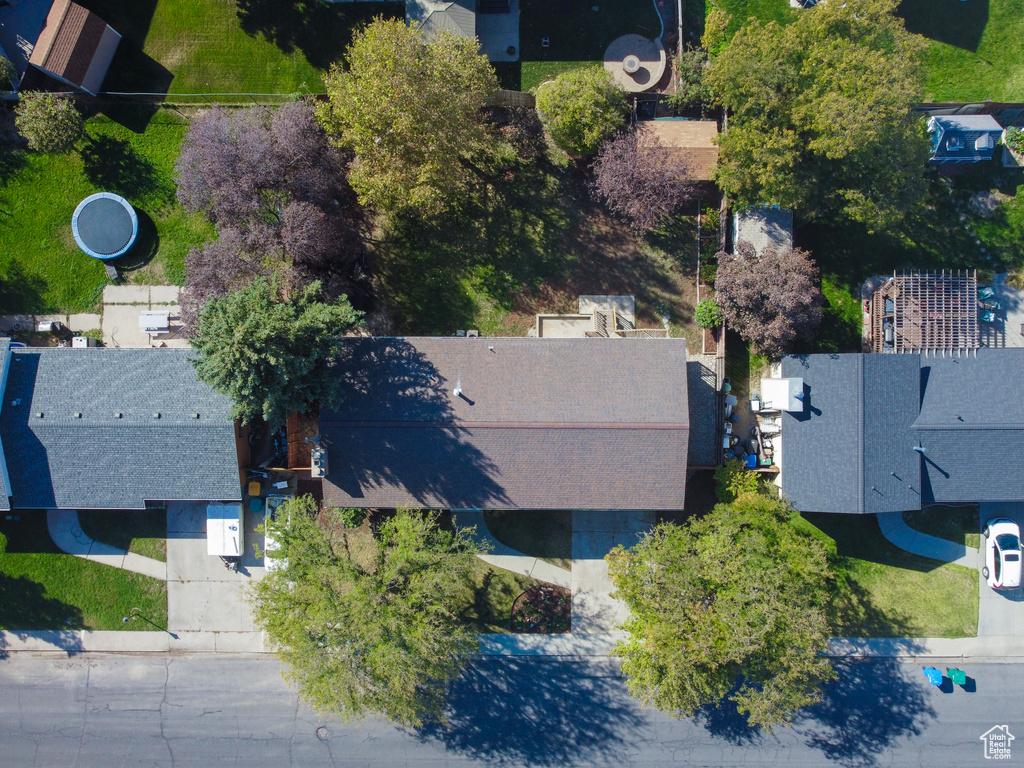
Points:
x=366 y=619
x=49 y=123
x=729 y=605
x=582 y=108
x=269 y=353
x=411 y=112
x=821 y=116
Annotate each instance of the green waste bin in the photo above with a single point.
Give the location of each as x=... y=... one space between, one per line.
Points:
x=255 y=504
x=958 y=676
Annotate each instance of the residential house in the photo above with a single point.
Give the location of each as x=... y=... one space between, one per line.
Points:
x=963 y=139
x=509 y=423
x=98 y=428
x=495 y=23
x=876 y=433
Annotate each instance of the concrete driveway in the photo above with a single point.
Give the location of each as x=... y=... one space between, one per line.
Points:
x=999 y=613
x=202 y=595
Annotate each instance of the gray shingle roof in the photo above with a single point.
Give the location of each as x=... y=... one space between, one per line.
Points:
x=852 y=450
x=540 y=424
x=955 y=138
x=763 y=227
x=80 y=454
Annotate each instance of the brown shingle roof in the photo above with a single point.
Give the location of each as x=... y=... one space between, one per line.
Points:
x=692 y=141
x=540 y=424
x=68 y=41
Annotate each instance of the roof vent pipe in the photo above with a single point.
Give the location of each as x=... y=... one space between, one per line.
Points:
x=920 y=449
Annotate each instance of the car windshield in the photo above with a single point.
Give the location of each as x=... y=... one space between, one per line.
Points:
x=1007 y=542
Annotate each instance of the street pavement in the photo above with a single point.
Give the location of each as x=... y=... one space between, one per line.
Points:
x=111 y=711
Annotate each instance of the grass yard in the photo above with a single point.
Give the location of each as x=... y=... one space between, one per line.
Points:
x=38 y=194
x=546 y=535
x=887 y=592
x=741 y=11
x=220 y=46
x=144 y=533
x=975 y=50
x=42 y=588
x=489 y=606
x=957 y=524
x=534 y=245
x=578 y=33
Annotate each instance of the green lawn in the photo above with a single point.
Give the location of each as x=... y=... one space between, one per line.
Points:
x=40 y=261
x=887 y=592
x=489 y=606
x=975 y=50
x=41 y=588
x=144 y=533
x=578 y=34
x=741 y=11
x=956 y=524
x=546 y=534
x=219 y=46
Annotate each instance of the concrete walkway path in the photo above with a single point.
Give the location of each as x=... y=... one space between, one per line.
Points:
x=903 y=536
x=509 y=559
x=594 y=534
x=67 y=534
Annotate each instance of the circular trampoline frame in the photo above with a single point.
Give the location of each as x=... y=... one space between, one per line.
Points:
x=128 y=209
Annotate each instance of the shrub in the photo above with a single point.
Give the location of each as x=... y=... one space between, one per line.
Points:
x=707 y=314
x=708 y=273
x=581 y=109
x=49 y=123
x=733 y=481
x=351 y=518
x=1015 y=139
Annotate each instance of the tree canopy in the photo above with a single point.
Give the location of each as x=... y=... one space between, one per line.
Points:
x=49 y=123
x=411 y=112
x=729 y=606
x=640 y=180
x=582 y=108
x=366 y=619
x=271 y=354
x=772 y=299
x=278 y=192
x=821 y=116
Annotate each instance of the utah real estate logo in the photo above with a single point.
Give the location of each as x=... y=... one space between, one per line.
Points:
x=997 y=742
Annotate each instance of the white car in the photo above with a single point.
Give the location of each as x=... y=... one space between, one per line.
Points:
x=270 y=544
x=1002 y=554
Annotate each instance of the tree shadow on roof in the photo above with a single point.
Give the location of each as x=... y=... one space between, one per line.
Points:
x=322 y=31
x=386 y=384
x=539 y=713
x=947 y=21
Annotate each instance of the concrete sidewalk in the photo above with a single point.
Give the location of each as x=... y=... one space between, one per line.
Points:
x=67 y=534
x=509 y=559
x=905 y=537
x=71 y=642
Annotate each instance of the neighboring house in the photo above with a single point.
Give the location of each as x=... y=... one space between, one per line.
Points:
x=963 y=139
x=763 y=227
x=886 y=433
x=99 y=428
x=494 y=22
x=509 y=423
x=924 y=311
x=691 y=141
x=58 y=46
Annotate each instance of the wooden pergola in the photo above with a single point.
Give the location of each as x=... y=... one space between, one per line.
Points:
x=926 y=311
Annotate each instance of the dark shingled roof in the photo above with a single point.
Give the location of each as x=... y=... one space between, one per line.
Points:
x=69 y=41
x=852 y=449
x=540 y=424
x=79 y=454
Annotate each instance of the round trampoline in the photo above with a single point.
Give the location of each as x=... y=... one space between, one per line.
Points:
x=105 y=225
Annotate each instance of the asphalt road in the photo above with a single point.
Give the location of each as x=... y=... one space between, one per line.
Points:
x=110 y=711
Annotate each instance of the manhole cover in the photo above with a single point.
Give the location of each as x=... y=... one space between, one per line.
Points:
x=322 y=733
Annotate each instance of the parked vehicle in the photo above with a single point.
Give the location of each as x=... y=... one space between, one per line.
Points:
x=1002 y=554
